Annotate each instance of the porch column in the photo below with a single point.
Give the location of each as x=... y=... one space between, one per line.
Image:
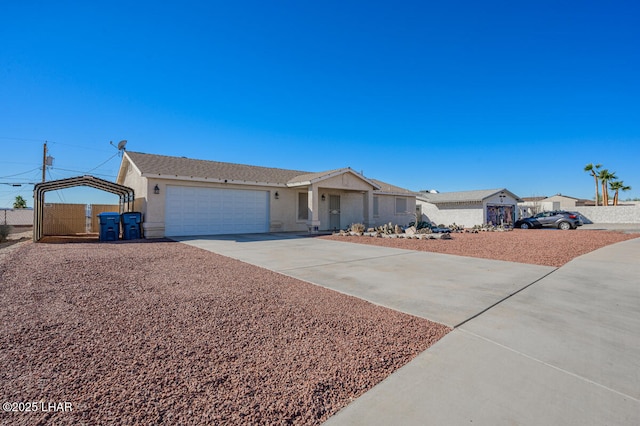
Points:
x=314 y=216
x=369 y=221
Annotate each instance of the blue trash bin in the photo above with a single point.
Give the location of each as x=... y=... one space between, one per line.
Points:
x=131 y=228
x=109 y=226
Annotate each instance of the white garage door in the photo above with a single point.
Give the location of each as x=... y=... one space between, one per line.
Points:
x=211 y=211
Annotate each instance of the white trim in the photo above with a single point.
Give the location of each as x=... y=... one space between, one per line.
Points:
x=397 y=194
x=130 y=164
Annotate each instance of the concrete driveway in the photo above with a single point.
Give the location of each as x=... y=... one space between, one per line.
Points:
x=443 y=288
x=533 y=345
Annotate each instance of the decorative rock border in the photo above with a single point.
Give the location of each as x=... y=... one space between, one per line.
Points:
x=442 y=236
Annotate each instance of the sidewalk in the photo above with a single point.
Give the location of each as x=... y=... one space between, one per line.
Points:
x=623 y=227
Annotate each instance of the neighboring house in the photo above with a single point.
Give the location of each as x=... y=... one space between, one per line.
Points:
x=532 y=205
x=566 y=202
x=468 y=208
x=180 y=196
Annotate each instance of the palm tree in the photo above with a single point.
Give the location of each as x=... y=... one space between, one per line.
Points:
x=20 y=203
x=593 y=169
x=617 y=186
x=606 y=176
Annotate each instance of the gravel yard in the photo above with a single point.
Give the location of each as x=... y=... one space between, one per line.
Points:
x=548 y=247
x=157 y=332
x=164 y=333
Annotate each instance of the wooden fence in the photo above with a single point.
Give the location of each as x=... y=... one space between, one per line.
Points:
x=96 y=209
x=71 y=219
x=64 y=219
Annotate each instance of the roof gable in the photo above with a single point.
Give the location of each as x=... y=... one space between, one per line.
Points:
x=556 y=196
x=311 y=178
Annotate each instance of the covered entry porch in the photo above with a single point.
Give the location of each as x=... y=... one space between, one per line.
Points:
x=334 y=200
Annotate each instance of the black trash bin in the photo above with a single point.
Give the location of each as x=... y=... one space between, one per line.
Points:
x=109 y=226
x=131 y=225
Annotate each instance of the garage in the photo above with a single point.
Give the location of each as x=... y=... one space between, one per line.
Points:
x=215 y=211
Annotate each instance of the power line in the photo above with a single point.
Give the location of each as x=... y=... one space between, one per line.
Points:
x=105 y=162
x=77 y=146
x=53 y=142
x=79 y=171
x=18 y=174
x=17 y=184
x=60 y=196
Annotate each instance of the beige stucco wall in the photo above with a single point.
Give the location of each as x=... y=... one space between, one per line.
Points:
x=464 y=215
x=346 y=181
x=283 y=214
x=564 y=203
x=387 y=210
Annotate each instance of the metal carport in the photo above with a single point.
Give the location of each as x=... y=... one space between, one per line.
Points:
x=124 y=192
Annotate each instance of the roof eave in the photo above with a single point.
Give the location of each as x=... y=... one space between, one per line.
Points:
x=399 y=194
x=294 y=184
x=212 y=180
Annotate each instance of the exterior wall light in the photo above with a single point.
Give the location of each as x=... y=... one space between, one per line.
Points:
x=276 y=195
x=323 y=197
x=156 y=189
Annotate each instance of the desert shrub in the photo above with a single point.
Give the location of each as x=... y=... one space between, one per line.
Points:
x=358 y=227
x=4 y=232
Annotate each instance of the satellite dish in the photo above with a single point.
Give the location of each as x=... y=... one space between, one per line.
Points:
x=120 y=145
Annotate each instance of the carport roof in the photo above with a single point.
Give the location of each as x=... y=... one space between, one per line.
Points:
x=126 y=194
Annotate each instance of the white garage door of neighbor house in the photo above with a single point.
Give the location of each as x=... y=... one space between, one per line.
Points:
x=214 y=211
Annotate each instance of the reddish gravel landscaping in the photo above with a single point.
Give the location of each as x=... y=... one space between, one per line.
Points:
x=549 y=247
x=165 y=333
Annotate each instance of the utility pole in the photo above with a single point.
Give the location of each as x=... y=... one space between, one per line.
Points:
x=44 y=160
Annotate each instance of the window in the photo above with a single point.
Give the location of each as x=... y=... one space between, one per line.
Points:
x=376 y=209
x=303 y=206
x=401 y=205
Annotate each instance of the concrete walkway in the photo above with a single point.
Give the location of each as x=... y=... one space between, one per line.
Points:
x=565 y=350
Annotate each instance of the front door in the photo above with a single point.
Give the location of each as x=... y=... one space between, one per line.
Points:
x=334 y=212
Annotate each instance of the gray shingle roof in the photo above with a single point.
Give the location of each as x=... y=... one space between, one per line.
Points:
x=162 y=165
x=387 y=187
x=152 y=164
x=460 y=197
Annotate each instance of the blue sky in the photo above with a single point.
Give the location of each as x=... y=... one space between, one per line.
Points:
x=455 y=95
